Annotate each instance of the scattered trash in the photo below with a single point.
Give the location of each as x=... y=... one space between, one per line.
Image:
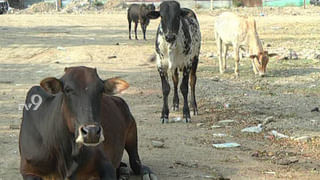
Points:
x=226 y=145
x=268 y=120
x=293 y=54
x=176 y=119
x=216 y=79
x=288 y=161
x=112 y=57
x=186 y=164
x=278 y=135
x=270 y=172
x=226 y=105
x=157 y=144
x=61 y=48
x=200 y=124
x=215 y=126
x=316 y=109
x=219 y=135
x=253 y=129
x=229 y=121
x=303 y=139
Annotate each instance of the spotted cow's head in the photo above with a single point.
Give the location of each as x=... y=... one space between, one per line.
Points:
x=170 y=13
x=260 y=62
x=82 y=92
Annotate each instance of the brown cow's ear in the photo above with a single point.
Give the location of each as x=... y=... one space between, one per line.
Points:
x=51 y=85
x=115 y=86
x=272 y=54
x=153 y=14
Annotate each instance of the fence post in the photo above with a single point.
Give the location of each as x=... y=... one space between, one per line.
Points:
x=211 y=4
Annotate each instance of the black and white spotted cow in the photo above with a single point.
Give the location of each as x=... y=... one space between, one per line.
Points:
x=178 y=42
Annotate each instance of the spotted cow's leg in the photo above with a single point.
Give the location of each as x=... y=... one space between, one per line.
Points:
x=175 y=79
x=184 y=90
x=193 y=80
x=165 y=91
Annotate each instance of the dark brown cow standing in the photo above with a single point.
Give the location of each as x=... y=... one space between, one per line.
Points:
x=79 y=131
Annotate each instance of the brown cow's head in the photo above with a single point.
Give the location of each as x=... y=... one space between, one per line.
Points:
x=260 y=62
x=82 y=92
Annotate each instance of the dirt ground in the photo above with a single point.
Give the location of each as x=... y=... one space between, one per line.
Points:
x=33 y=47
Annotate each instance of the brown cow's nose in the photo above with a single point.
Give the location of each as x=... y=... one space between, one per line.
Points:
x=91 y=133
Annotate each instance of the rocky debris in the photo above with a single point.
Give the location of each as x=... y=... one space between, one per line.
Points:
x=227 y=122
x=185 y=164
x=288 y=55
x=278 y=135
x=200 y=124
x=115 y=4
x=316 y=109
x=42 y=7
x=157 y=144
x=253 y=129
x=215 y=126
x=303 y=139
x=286 y=161
x=219 y=135
x=81 y=6
x=226 y=145
x=112 y=57
x=268 y=120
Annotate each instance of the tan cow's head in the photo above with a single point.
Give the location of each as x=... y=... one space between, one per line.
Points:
x=260 y=62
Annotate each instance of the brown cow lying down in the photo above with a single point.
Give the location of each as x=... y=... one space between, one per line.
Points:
x=79 y=131
x=240 y=32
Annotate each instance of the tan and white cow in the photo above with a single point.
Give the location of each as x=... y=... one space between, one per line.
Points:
x=240 y=32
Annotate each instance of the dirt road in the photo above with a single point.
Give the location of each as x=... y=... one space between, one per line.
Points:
x=33 y=47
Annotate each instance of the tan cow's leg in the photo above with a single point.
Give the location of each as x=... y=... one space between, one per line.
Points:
x=237 y=59
x=225 y=51
x=254 y=67
x=219 y=46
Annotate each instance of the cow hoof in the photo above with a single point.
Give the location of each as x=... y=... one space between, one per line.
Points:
x=124 y=173
x=187 y=120
x=195 y=112
x=175 y=107
x=150 y=176
x=164 y=120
